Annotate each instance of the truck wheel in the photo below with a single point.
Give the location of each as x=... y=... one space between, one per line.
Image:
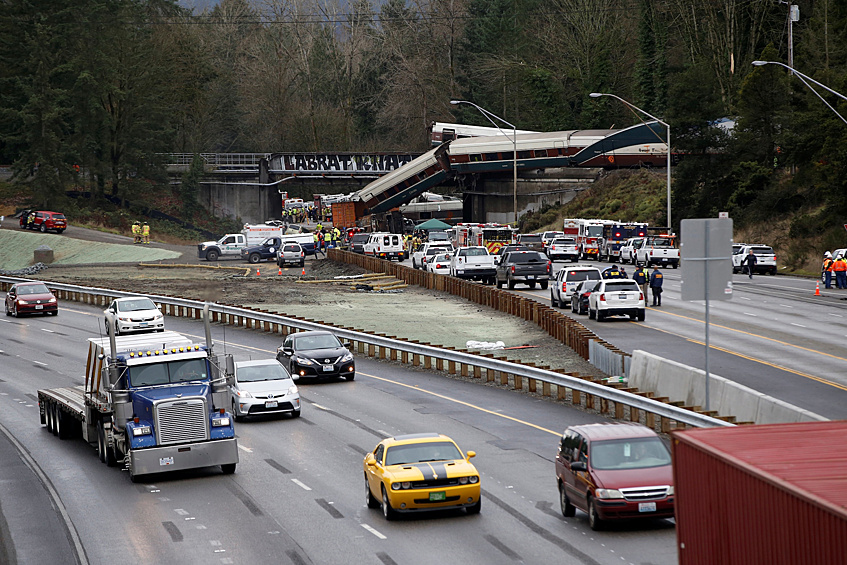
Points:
x=553 y=302
x=543 y=285
x=511 y=284
x=498 y=282
x=254 y=258
x=228 y=469
x=101 y=443
x=57 y=424
x=43 y=228
x=212 y=255
x=48 y=417
x=531 y=284
x=65 y=425
x=675 y=265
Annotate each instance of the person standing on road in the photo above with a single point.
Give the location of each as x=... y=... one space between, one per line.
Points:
x=656 y=286
x=327 y=239
x=840 y=268
x=318 y=245
x=642 y=278
x=827 y=269
x=750 y=261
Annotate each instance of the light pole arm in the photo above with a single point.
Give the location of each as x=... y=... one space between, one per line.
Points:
x=760 y=63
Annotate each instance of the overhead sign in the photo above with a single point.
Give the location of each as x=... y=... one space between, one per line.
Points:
x=706 y=256
x=338 y=163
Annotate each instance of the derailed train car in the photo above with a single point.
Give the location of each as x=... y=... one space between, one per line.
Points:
x=641 y=145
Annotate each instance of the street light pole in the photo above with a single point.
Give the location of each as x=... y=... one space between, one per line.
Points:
x=633 y=106
x=806 y=79
x=489 y=115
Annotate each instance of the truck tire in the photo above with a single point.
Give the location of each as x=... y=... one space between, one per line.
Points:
x=254 y=258
x=543 y=285
x=48 y=416
x=498 y=282
x=531 y=284
x=43 y=228
x=553 y=302
x=57 y=425
x=212 y=255
x=228 y=468
x=65 y=425
x=101 y=442
x=510 y=284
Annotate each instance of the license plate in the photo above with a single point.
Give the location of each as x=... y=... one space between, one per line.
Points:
x=646 y=506
x=437 y=496
x=329 y=367
x=271 y=404
x=622 y=296
x=165 y=461
x=143 y=324
x=39 y=307
x=531 y=277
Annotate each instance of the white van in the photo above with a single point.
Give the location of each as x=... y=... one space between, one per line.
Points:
x=385 y=246
x=306 y=241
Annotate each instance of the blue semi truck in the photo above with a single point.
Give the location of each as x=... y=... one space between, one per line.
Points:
x=151 y=403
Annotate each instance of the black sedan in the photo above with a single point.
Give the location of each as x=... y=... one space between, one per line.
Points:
x=316 y=354
x=579 y=301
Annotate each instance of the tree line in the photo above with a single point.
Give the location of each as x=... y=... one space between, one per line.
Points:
x=100 y=89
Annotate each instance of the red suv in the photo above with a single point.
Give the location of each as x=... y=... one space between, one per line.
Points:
x=44 y=220
x=614 y=471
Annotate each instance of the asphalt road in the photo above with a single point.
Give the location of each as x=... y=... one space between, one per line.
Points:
x=297 y=495
x=774 y=336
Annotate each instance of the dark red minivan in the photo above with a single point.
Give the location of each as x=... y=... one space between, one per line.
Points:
x=614 y=471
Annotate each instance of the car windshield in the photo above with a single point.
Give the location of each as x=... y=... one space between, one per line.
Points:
x=135 y=305
x=166 y=373
x=640 y=453
x=360 y=238
x=438 y=236
x=564 y=241
x=254 y=373
x=526 y=258
x=474 y=252
x=530 y=238
x=323 y=341
x=33 y=289
x=620 y=286
x=662 y=242
x=295 y=248
x=583 y=275
x=434 y=251
x=420 y=452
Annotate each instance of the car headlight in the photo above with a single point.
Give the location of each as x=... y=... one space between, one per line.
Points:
x=218 y=422
x=606 y=493
x=52 y=300
x=292 y=389
x=303 y=361
x=141 y=431
x=347 y=357
x=405 y=485
x=395 y=486
x=473 y=480
x=670 y=490
x=159 y=316
x=243 y=394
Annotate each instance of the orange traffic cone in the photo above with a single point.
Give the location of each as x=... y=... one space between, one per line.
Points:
x=304 y=272
x=258 y=274
x=280 y=271
x=817 y=288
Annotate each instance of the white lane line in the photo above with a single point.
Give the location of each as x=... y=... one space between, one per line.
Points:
x=785 y=306
x=798 y=325
x=299 y=484
x=316 y=405
x=242 y=448
x=181 y=512
x=749 y=314
x=836 y=315
x=40 y=363
x=744 y=298
x=373 y=531
x=48 y=331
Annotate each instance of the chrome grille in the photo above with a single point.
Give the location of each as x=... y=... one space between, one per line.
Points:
x=638 y=494
x=181 y=421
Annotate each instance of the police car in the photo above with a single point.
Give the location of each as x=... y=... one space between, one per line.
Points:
x=566 y=282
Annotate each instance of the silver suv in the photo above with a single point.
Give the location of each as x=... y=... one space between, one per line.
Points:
x=291 y=253
x=566 y=282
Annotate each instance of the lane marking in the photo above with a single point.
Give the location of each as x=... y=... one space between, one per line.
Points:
x=798 y=325
x=373 y=531
x=463 y=403
x=316 y=405
x=242 y=448
x=40 y=363
x=300 y=484
x=749 y=314
x=48 y=331
x=836 y=315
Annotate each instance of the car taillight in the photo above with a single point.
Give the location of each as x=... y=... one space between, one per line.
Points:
x=513 y=268
x=564 y=286
x=603 y=297
x=438 y=266
x=640 y=296
x=548 y=266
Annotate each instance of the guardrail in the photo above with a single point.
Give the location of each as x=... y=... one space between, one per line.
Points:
x=610 y=399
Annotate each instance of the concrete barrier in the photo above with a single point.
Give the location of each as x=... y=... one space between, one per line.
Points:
x=681 y=383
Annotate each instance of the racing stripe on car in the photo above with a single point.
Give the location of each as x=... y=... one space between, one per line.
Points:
x=439 y=470
x=425 y=469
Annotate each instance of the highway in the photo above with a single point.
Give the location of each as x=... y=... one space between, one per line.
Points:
x=297 y=495
x=774 y=336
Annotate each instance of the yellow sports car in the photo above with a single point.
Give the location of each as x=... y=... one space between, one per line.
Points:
x=418 y=472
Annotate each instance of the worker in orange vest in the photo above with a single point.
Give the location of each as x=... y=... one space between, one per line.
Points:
x=840 y=269
x=827 y=269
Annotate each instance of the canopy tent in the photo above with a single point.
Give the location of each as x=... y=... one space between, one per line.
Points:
x=433 y=224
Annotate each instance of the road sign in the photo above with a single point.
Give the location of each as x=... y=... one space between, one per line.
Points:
x=723 y=214
x=706 y=256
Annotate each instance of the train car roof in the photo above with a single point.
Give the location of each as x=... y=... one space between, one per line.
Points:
x=577 y=138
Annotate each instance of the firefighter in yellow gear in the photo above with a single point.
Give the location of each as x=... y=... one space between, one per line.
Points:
x=145 y=232
x=136 y=232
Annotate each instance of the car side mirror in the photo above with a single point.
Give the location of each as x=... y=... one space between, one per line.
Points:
x=349 y=345
x=471 y=454
x=579 y=466
x=371 y=462
x=288 y=350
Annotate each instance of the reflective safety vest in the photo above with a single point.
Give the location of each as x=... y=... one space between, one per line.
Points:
x=327 y=236
x=135 y=229
x=839 y=265
x=145 y=229
x=827 y=264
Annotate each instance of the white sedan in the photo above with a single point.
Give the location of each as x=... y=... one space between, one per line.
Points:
x=439 y=264
x=263 y=387
x=616 y=297
x=135 y=314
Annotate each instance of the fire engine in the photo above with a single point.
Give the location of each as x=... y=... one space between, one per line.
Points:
x=491 y=236
x=590 y=236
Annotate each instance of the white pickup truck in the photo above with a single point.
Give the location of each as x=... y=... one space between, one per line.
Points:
x=765 y=259
x=658 y=250
x=473 y=263
x=419 y=257
x=230 y=245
